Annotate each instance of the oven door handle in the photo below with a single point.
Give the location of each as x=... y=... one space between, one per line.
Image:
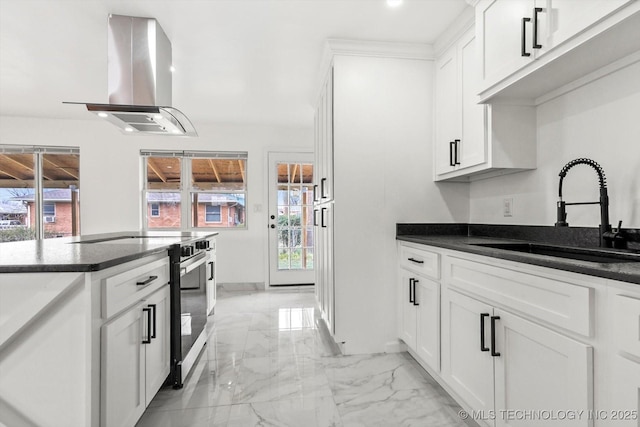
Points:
x=192 y=263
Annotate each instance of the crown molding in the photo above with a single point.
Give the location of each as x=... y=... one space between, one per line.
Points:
x=345 y=47
x=464 y=22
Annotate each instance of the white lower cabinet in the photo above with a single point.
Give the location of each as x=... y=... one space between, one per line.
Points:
x=211 y=276
x=625 y=362
x=505 y=367
x=135 y=359
x=420 y=317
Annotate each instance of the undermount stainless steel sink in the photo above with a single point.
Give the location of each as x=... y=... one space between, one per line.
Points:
x=581 y=254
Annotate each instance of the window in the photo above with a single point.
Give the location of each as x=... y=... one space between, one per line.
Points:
x=194 y=189
x=39 y=188
x=212 y=213
x=49 y=209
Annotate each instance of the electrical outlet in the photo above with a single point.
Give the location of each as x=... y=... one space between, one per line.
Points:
x=507 y=207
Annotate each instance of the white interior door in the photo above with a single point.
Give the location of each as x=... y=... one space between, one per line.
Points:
x=290 y=222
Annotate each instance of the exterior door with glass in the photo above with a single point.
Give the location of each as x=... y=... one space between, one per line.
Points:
x=290 y=219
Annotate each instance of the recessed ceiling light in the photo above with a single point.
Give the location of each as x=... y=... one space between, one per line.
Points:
x=103 y=115
x=394 y=3
x=128 y=129
x=158 y=117
x=176 y=131
x=172 y=69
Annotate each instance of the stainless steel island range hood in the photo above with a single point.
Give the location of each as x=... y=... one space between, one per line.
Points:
x=139 y=80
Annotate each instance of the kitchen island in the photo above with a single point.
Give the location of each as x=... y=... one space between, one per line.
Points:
x=85 y=326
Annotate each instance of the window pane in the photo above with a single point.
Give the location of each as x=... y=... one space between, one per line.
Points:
x=168 y=210
x=163 y=173
x=17 y=200
x=218 y=174
x=218 y=210
x=61 y=198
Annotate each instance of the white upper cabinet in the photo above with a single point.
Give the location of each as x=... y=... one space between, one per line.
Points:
x=529 y=48
x=504 y=36
x=460 y=141
x=472 y=140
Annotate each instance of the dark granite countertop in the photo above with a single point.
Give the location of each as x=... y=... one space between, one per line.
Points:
x=464 y=237
x=90 y=252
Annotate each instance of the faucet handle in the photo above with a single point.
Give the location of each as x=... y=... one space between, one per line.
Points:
x=619 y=226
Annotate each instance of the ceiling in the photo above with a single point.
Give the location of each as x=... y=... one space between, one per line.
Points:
x=237 y=61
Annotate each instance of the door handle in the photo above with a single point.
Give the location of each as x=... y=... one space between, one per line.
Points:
x=146 y=282
x=494 y=353
x=272 y=226
x=148 y=339
x=153 y=308
x=211 y=264
x=451 y=147
x=415 y=297
x=482 y=346
x=524 y=42
x=322 y=224
x=410 y=290
x=536 y=10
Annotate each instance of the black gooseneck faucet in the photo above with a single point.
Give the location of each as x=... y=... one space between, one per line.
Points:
x=605 y=227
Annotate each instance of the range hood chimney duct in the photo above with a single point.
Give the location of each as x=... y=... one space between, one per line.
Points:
x=139 y=80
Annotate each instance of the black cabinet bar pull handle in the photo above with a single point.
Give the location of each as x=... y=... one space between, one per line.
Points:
x=415 y=298
x=146 y=282
x=315 y=193
x=415 y=260
x=153 y=308
x=322 y=224
x=536 y=10
x=322 y=193
x=494 y=353
x=148 y=339
x=315 y=217
x=524 y=42
x=410 y=290
x=211 y=264
x=482 y=346
x=451 y=148
x=455 y=152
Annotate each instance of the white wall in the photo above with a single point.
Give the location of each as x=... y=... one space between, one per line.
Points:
x=600 y=121
x=110 y=181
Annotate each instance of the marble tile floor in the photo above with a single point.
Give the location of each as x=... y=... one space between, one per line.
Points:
x=267 y=364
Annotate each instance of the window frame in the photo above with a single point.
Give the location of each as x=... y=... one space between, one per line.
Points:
x=219 y=221
x=186 y=191
x=157 y=214
x=39 y=152
x=44 y=205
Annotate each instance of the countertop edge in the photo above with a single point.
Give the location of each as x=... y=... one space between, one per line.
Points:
x=592 y=269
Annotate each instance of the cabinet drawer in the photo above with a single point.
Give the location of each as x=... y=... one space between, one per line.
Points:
x=627 y=324
x=420 y=260
x=555 y=300
x=132 y=283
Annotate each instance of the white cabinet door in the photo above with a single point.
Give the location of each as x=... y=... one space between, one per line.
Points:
x=123 y=369
x=327 y=185
x=328 y=297
x=157 y=354
x=447 y=111
x=427 y=296
x=624 y=402
x=467 y=369
x=500 y=29
x=408 y=312
x=540 y=370
x=566 y=18
x=473 y=137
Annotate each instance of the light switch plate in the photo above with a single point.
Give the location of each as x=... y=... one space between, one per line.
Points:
x=507 y=207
